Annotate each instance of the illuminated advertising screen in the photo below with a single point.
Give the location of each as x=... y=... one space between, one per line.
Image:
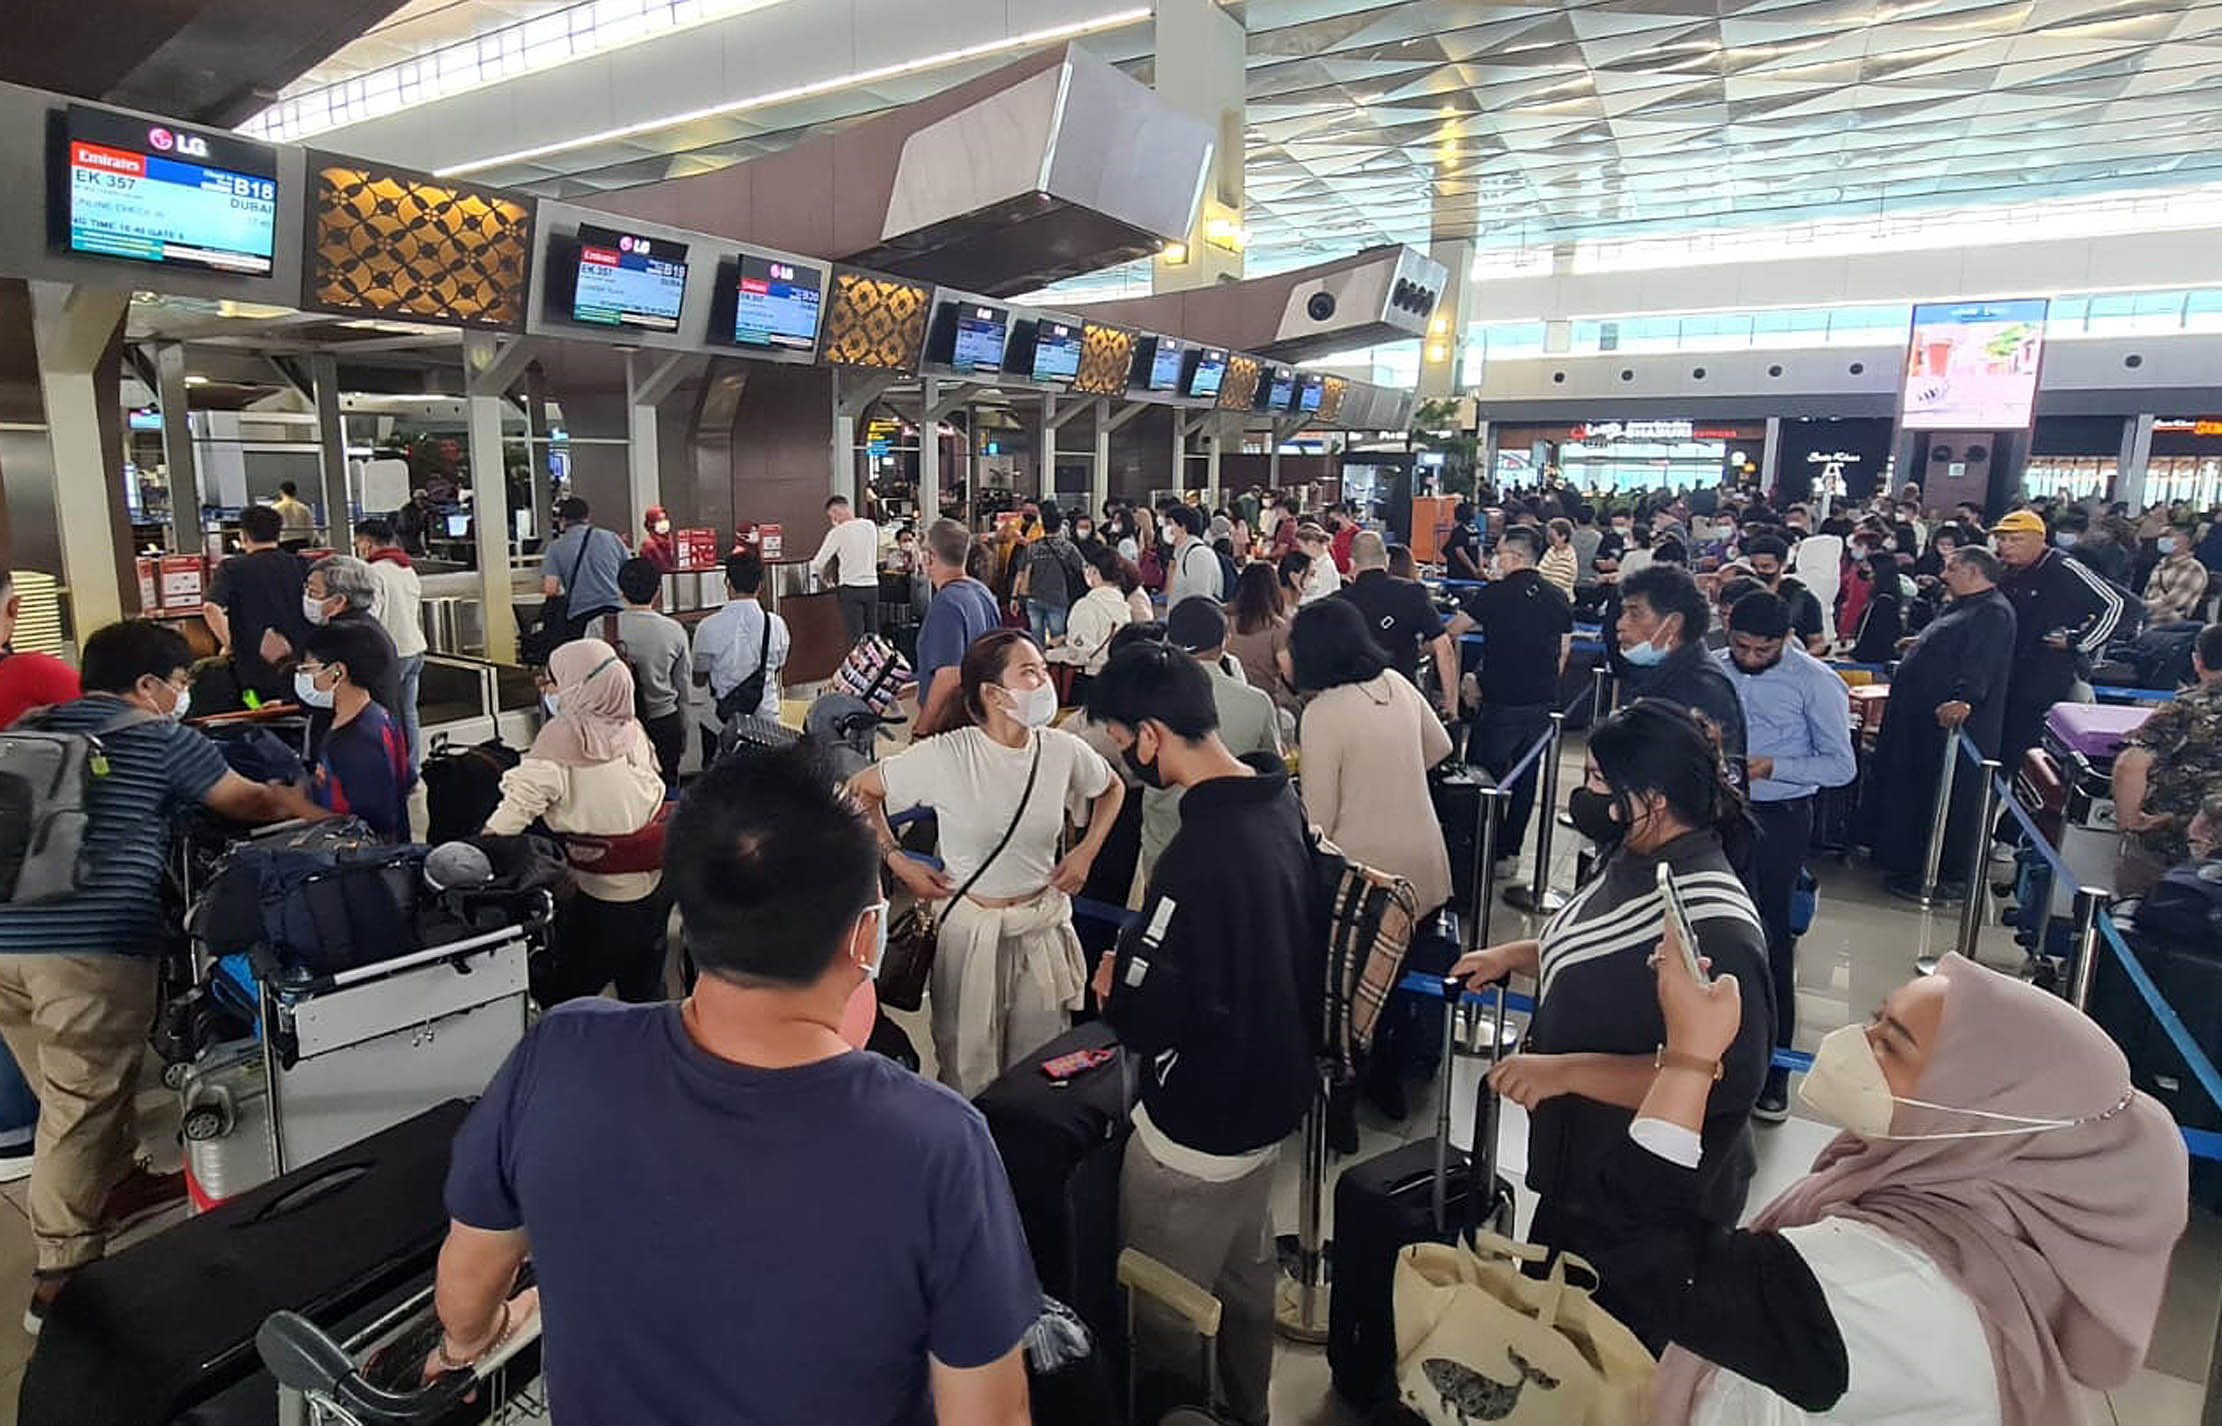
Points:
x=775 y=304
x=626 y=281
x=979 y=338
x=1208 y=373
x=1309 y=394
x=125 y=188
x=1973 y=365
x=1056 y=351
x=1165 y=364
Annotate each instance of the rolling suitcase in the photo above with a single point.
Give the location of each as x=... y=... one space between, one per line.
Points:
x=1421 y=1192
x=156 y=1331
x=462 y=787
x=1456 y=789
x=1062 y=1146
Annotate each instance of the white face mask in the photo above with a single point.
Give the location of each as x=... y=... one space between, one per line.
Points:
x=183 y=705
x=1033 y=707
x=1847 y=1088
x=548 y=702
x=878 y=912
x=2167 y=544
x=312 y=609
x=305 y=689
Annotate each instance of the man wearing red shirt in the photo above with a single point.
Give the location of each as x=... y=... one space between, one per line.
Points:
x=27 y=681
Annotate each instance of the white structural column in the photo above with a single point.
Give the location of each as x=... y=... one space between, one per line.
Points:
x=331 y=436
x=936 y=405
x=1214 y=443
x=649 y=378
x=72 y=327
x=2136 y=455
x=1770 y=455
x=1201 y=59
x=490 y=367
x=177 y=447
x=1441 y=354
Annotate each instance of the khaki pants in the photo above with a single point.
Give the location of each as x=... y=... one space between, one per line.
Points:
x=77 y=1024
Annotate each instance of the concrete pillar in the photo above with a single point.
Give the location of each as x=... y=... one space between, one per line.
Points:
x=331 y=435
x=1202 y=54
x=1441 y=351
x=2135 y=459
x=1558 y=338
x=1486 y=453
x=1212 y=445
x=72 y=328
x=929 y=452
x=1099 y=473
x=1770 y=456
x=490 y=368
x=644 y=476
x=537 y=451
x=177 y=448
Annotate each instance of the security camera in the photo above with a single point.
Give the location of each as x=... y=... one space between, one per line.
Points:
x=1320 y=306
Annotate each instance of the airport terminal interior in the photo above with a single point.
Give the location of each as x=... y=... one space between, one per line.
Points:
x=524 y=443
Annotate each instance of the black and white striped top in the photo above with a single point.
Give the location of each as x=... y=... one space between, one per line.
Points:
x=1598 y=995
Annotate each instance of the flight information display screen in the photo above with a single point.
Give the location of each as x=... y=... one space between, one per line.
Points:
x=152 y=193
x=981 y=335
x=1210 y=373
x=1281 y=396
x=1165 y=365
x=776 y=304
x=1308 y=396
x=626 y=281
x=1057 y=351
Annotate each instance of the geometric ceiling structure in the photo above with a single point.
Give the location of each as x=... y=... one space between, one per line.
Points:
x=1391 y=121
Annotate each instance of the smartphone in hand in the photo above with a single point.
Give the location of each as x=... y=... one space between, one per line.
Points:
x=1672 y=911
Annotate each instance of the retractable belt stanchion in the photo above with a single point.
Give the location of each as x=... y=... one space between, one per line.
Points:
x=1301 y=1313
x=2088 y=900
x=1943 y=814
x=1979 y=862
x=1537 y=897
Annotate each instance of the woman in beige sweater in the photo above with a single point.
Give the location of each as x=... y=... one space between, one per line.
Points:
x=1366 y=742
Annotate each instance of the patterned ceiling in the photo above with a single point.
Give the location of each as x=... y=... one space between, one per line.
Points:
x=1523 y=124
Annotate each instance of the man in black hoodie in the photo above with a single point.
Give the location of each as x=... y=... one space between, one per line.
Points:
x=1214 y=991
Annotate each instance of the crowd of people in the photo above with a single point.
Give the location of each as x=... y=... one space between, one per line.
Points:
x=1998 y=1183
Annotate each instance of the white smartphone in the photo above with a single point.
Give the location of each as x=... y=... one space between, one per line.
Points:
x=1670 y=906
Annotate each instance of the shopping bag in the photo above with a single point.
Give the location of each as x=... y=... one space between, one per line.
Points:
x=1478 y=1340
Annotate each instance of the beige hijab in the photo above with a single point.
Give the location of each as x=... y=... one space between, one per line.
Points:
x=594 y=720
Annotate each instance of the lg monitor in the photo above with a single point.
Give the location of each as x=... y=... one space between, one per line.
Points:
x=122 y=187
x=1310 y=393
x=1278 y=393
x=1057 y=346
x=1207 y=371
x=769 y=304
x=620 y=280
x=970 y=337
x=1157 y=364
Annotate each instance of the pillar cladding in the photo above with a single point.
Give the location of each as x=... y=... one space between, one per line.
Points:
x=1202 y=58
x=77 y=332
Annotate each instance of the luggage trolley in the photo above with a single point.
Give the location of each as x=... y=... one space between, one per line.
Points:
x=370 y=1378
x=335 y=1058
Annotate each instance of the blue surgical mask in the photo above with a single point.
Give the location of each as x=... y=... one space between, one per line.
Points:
x=2066 y=539
x=2167 y=544
x=1645 y=655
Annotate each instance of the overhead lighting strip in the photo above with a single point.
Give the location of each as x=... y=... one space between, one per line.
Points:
x=1030 y=40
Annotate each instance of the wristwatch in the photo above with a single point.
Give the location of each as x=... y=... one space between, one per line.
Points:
x=1666 y=1059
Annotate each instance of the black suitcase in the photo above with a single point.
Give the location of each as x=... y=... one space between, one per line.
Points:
x=1455 y=789
x=1062 y=1147
x=462 y=787
x=1388 y=1202
x=161 y=1329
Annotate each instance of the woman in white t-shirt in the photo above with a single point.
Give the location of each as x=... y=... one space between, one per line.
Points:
x=1008 y=972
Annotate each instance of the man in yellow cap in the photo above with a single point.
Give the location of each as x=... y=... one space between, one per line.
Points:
x=2063 y=615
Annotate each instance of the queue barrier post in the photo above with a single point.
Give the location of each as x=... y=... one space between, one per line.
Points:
x=1536 y=897
x=1300 y=1314
x=2088 y=900
x=1942 y=814
x=1601 y=692
x=1488 y=808
x=1974 y=912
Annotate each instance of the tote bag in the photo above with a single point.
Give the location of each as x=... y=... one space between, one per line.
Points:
x=1479 y=1341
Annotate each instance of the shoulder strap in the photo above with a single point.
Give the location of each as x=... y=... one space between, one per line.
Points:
x=763 y=645
x=1032 y=772
x=571 y=583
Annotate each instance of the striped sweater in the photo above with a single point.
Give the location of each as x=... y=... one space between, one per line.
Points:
x=1598 y=995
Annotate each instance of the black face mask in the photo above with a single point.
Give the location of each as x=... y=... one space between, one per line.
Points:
x=1592 y=814
x=1145 y=773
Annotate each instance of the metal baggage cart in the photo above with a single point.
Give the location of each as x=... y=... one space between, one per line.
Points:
x=323 y=1381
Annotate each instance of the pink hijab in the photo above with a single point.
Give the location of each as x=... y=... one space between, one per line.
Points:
x=2061 y=1238
x=594 y=720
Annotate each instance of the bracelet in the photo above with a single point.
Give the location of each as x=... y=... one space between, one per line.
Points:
x=500 y=1331
x=1666 y=1059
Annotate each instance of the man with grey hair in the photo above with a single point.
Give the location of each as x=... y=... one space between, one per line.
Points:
x=341 y=591
x=1401 y=617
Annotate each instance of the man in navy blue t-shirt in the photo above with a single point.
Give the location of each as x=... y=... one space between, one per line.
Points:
x=733 y=1216
x=961 y=611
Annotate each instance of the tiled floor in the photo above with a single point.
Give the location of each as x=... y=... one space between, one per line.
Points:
x=1862 y=944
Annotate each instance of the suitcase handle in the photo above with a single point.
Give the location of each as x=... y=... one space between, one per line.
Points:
x=323 y=1186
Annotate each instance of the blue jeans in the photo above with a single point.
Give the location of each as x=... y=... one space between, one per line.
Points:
x=412 y=669
x=1046 y=620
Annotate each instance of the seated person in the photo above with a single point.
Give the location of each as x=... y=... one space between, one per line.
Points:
x=362 y=769
x=2001 y=1195
x=733 y=1215
x=2167 y=768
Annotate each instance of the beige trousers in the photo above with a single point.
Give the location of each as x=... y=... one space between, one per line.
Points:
x=77 y=1025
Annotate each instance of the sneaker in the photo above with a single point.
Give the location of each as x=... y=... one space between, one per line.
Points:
x=140 y=1195
x=45 y=1287
x=15 y=1161
x=1774 y=1100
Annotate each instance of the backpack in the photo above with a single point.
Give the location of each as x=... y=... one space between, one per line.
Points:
x=462 y=787
x=1228 y=574
x=624 y=656
x=873 y=673
x=1068 y=559
x=46 y=785
x=322 y=897
x=1371 y=917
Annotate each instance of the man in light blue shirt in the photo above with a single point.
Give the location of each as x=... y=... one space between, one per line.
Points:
x=739 y=650
x=1798 y=740
x=582 y=566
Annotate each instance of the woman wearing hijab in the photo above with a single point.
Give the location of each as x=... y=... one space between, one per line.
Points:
x=657 y=544
x=590 y=778
x=2000 y=1196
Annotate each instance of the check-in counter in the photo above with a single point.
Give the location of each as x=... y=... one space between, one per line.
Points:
x=814 y=624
